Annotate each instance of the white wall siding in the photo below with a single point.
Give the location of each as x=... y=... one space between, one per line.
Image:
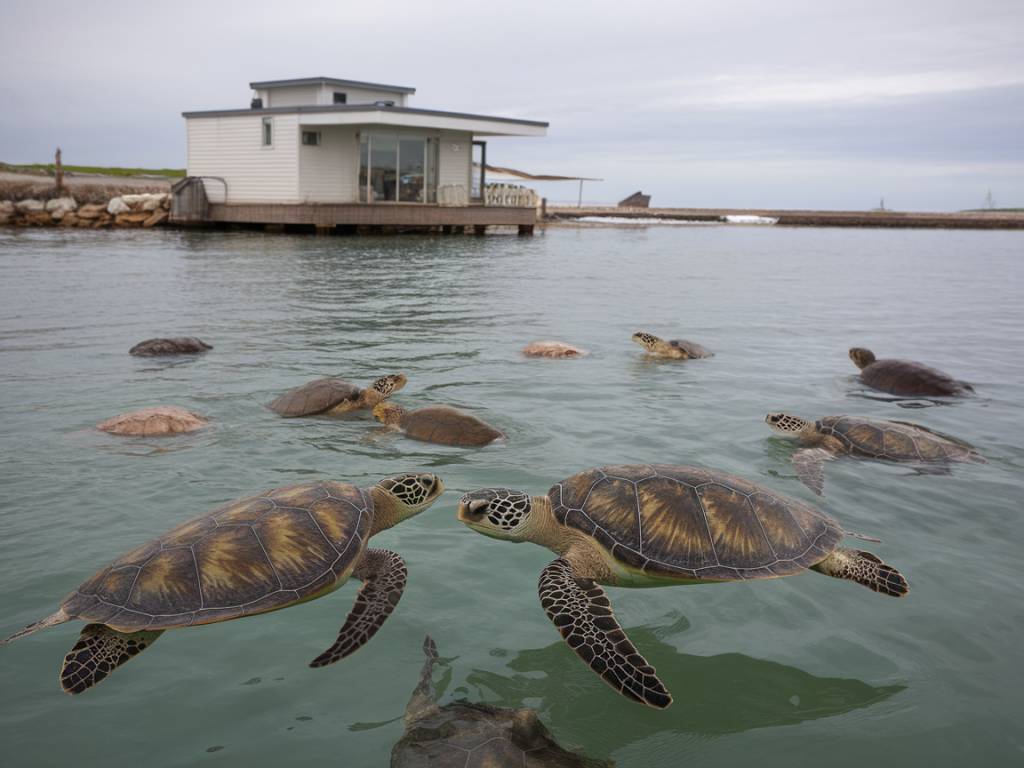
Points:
x=327 y=173
x=293 y=96
x=456 y=156
x=231 y=147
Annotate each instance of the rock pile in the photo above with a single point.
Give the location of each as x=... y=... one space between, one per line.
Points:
x=142 y=210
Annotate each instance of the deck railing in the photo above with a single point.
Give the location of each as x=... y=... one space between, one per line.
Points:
x=509 y=196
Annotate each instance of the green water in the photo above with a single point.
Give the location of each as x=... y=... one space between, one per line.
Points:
x=788 y=672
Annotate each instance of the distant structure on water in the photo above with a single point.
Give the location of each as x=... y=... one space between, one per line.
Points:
x=327 y=153
x=636 y=200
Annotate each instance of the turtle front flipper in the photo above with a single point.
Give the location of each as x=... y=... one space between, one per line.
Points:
x=809 y=464
x=581 y=611
x=864 y=568
x=383 y=574
x=99 y=651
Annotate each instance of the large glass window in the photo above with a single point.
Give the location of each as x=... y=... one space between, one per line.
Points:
x=397 y=168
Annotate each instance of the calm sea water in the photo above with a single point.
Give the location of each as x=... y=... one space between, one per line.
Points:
x=787 y=672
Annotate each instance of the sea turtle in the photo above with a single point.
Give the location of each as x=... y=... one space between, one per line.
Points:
x=652 y=525
x=279 y=548
x=835 y=436
x=678 y=349
x=335 y=396
x=905 y=377
x=552 y=349
x=153 y=422
x=438 y=424
x=465 y=735
x=182 y=345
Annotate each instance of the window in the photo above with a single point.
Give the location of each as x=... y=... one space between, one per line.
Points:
x=397 y=168
x=311 y=138
x=268 y=131
x=340 y=98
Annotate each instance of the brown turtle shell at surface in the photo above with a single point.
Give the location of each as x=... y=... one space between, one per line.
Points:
x=154 y=422
x=182 y=345
x=554 y=349
x=694 y=523
x=896 y=440
x=911 y=379
x=246 y=557
x=691 y=348
x=448 y=426
x=315 y=397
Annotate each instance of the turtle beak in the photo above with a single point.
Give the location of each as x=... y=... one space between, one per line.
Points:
x=472 y=510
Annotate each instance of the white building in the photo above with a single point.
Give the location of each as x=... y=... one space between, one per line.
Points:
x=322 y=151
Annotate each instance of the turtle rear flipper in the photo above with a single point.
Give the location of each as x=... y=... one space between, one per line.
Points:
x=809 y=465
x=864 y=568
x=383 y=574
x=580 y=610
x=99 y=651
x=58 y=617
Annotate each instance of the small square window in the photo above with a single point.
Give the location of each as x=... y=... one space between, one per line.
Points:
x=340 y=98
x=268 y=131
x=311 y=138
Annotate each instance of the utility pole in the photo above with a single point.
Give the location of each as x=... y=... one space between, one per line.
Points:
x=59 y=172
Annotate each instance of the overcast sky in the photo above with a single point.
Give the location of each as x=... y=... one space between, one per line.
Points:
x=776 y=104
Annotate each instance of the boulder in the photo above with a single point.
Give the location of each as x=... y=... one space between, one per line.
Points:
x=5 y=218
x=38 y=218
x=57 y=215
x=6 y=208
x=154 y=202
x=29 y=206
x=158 y=217
x=90 y=211
x=117 y=205
x=69 y=219
x=62 y=204
x=130 y=219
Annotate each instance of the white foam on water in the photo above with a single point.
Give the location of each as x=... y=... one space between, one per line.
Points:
x=744 y=219
x=639 y=221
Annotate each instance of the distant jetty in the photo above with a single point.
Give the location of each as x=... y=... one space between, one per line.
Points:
x=791 y=218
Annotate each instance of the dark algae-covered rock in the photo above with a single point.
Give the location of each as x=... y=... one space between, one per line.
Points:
x=181 y=345
x=466 y=735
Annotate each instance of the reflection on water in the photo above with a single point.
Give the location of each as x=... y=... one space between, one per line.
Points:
x=713 y=695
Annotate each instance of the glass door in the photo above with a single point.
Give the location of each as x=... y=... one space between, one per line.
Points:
x=478 y=172
x=395 y=167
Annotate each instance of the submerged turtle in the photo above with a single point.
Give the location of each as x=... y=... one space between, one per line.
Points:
x=835 y=436
x=465 y=735
x=552 y=349
x=335 y=396
x=438 y=424
x=905 y=377
x=154 y=422
x=678 y=349
x=278 y=548
x=660 y=525
x=182 y=345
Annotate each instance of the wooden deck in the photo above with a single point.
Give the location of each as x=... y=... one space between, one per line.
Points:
x=384 y=215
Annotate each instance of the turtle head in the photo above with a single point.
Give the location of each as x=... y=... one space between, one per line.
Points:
x=388 y=385
x=862 y=357
x=788 y=425
x=646 y=340
x=500 y=513
x=388 y=413
x=410 y=493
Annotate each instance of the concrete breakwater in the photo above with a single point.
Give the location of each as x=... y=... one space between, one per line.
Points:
x=145 y=210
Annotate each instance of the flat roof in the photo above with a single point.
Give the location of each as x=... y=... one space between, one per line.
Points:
x=330 y=81
x=328 y=108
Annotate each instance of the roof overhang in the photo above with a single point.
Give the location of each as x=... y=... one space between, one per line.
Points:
x=403 y=117
x=263 y=84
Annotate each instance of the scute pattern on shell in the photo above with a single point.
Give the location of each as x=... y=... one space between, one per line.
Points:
x=181 y=345
x=448 y=426
x=153 y=422
x=688 y=522
x=246 y=557
x=894 y=441
x=315 y=397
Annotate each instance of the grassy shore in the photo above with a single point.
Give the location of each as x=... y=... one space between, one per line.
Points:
x=49 y=168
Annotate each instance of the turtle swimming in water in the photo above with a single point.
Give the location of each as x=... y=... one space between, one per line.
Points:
x=905 y=377
x=335 y=396
x=466 y=735
x=262 y=553
x=154 y=422
x=835 y=436
x=653 y=525
x=555 y=349
x=438 y=424
x=182 y=345
x=677 y=349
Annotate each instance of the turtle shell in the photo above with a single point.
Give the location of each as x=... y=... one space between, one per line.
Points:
x=693 y=523
x=153 y=422
x=691 y=348
x=182 y=345
x=249 y=556
x=894 y=440
x=315 y=397
x=911 y=379
x=448 y=426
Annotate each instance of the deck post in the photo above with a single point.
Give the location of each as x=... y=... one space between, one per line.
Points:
x=322 y=230
x=525 y=229
x=479 y=229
